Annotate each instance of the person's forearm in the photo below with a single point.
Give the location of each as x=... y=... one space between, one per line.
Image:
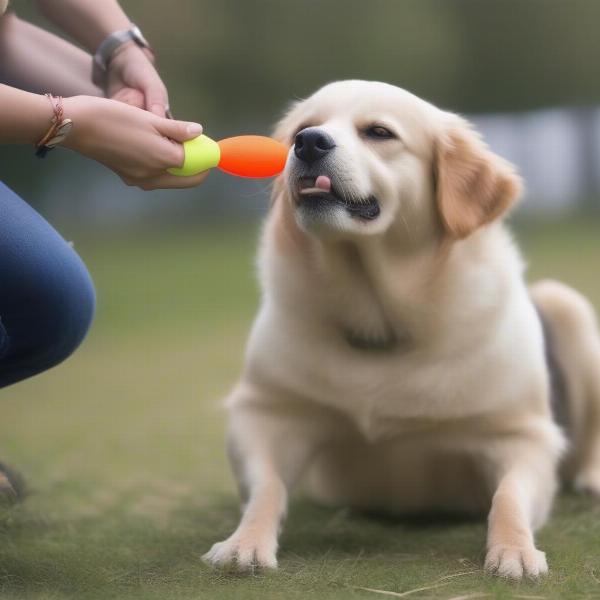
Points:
x=36 y=60
x=87 y=21
x=24 y=117
x=136 y=144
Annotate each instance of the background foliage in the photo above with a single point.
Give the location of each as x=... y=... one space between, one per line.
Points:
x=234 y=65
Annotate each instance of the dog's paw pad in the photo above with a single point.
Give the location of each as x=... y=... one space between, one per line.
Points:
x=243 y=553
x=514 y=562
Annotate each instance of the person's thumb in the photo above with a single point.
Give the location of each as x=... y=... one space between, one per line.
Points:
x=180 y=131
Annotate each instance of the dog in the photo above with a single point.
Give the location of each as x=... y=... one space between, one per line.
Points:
x=398 y=361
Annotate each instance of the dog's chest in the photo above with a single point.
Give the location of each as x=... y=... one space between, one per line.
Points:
x=383 y=411
x=387 y=394
x=387 y=390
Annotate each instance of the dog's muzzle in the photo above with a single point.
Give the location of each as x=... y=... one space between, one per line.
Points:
x=318 y=194
x=315 y=187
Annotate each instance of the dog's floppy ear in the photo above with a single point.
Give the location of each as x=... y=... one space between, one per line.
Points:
x=474 y=186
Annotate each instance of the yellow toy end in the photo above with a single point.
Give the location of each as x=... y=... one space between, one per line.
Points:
x=201 y=153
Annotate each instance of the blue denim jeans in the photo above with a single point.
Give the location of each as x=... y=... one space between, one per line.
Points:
x=47 y=297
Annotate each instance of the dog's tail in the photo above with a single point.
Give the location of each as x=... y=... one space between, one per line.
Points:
x=573 y=356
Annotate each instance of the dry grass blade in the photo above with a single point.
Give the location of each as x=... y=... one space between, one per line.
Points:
x=436 y=584
x=401 y=594
x=452 y=575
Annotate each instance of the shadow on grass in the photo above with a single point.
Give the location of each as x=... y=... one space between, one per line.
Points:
x=312 y=530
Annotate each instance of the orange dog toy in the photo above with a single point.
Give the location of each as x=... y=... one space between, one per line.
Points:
x=244 y=156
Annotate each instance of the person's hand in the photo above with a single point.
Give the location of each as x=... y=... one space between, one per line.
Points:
x=132 y=78
x=137 y=145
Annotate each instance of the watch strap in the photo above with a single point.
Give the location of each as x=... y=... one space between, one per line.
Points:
x=109 y=45
x=111 y=42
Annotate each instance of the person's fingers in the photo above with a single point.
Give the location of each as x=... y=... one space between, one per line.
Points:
x=130 y=96
x=156 y=96
x=172 y=153
x=168 y=181
x=180 y=131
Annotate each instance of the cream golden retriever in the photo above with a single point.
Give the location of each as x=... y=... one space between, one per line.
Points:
x=398 y=361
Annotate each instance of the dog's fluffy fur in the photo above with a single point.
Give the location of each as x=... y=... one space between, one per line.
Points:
x=397 y=362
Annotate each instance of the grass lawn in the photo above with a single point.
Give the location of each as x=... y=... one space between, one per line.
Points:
x=123 y=450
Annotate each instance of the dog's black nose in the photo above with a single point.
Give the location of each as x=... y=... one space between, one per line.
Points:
x=312 y=143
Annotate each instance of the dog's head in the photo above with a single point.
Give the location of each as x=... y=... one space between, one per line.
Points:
x=367 y=157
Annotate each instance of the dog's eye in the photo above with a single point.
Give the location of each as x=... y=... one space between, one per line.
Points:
x=379 y=132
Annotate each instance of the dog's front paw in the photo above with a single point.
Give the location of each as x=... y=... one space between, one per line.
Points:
x=514 y=562
x=244 y=552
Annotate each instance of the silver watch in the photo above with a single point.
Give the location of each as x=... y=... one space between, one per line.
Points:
x=108 y=46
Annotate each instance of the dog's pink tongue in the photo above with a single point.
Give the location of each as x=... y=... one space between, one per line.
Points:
x=323 y=183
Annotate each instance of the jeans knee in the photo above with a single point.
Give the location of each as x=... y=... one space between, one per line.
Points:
x=47 y=297
x=48 y=319
x=70 y=306
x=58 y=316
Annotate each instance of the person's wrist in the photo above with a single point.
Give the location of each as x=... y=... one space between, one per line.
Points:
x=79 y=109
x=42 y=120
x=126 y=51
x=126 y=54
x=119 y=42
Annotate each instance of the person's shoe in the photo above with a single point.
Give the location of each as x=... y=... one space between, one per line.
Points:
x=12 y=487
